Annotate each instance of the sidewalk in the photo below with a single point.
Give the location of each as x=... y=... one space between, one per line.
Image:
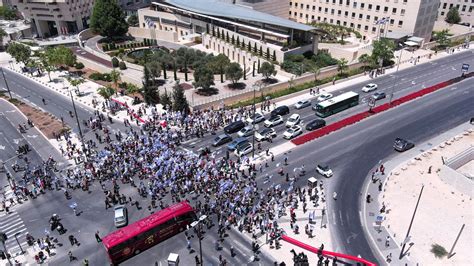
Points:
x=442 y=210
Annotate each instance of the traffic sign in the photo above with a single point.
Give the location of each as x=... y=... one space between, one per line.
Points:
x=465 y=68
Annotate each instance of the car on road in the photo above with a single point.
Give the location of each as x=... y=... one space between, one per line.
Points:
x=324 y=96
x=315 y=124
x=244 y=149
x=255 y=119
x=402 y=145
x=379 y=95
x=293 y=120
x=246 y=131
x=302 y=104
x=120 y=216
x=265 y=134
x=280 y=110
x=221 y=139
x=369 y=87
x=234 y=127
x=273 y=121
x=231 y=146
x=324 y=170
x=292 y=132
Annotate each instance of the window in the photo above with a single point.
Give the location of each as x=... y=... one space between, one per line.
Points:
x=344 y=23
x=463 y=8
x=358 y=26
x=392 y=21
x=348 y=2
x=362 y=5
x=339 y=12
x=314 y=8
x=338 y=22
x=301 y=6
x=312 y=17
x=354 y=5
x=374 y=29
x=353 y=15
x=370 y=6
x=394 y=10
x=320 y=9
x=366 y=28
x=325 y=10
x=319 y=18
x=367 y=17
x=405 y=1
x=289 y=12
x=385 y=9
x=402 y=12
x=377 y=8
x=445 y=5
x=332 y=11
x=352 y=25
x=400 y=23
x=360 y=16
x=331 y=21
x=346 y=13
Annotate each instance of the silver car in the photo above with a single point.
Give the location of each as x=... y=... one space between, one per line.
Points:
x=120 y=216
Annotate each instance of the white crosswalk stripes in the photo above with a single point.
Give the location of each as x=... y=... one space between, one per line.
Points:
x=12 y=224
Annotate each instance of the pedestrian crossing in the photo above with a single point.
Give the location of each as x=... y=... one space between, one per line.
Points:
x=12 y=225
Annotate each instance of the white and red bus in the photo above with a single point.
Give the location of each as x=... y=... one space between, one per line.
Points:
x=147 y=232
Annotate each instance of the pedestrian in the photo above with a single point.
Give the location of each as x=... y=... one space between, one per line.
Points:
x=380 y=185
x=71 y=257
x=86 y=262
x=334 y=195
x=97 y=237
x=387 y=241
x=71 y=239
x=196 y=258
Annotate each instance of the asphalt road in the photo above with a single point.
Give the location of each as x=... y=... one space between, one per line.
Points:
x=353 y=151
x=402 y=83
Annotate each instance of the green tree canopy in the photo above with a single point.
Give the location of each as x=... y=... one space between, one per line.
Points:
x=7 y=13
x=108 y=19
x=218 y=65
x=150 y=93
x=452 y=17
x=203 y=78
x=106 y=92
x=342 y=65
x=267 y=70
x=179 y=99
x=383 y=50
x=442 y=38
x=234 y=72
x=165 y=100
x=20 y=52
x=132 y=20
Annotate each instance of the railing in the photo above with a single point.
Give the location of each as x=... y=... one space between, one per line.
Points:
x=461 y=159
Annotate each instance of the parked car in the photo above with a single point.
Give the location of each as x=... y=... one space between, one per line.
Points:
x=379 y=95
x=280 y=110
x=231 y=146
x=234 y=127
x=292 y=132
x=324 y=96
x=293 y=120
x=265 y=134
x=244 y=149
x=273 y=121
x=315 y=124
x=221 y=139
x=302 y=104
x=324 y=170
x=120 y=216
x=402 y=145
x=246 y=131
x=255 y=119
x=369 y=87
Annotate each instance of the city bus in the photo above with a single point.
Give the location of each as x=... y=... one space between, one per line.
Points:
x=147 y=232
x=337 y=104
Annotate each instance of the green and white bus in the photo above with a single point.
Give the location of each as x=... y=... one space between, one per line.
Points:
x=337 y=104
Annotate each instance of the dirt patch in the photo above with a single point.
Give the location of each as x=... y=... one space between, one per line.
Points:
x=47 y=123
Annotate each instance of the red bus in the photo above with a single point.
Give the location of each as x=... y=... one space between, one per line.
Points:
x=147 y=232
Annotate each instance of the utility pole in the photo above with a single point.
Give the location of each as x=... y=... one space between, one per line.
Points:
x=6 y=83
x=3 y=238
x=18 y=242
x=78 y=124
x=411 y=223
x=450 y=254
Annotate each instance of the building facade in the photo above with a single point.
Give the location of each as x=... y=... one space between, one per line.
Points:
x=56 y=17
x=278 y=8
x=410 y=17
x=465 y=8
x=242 y=34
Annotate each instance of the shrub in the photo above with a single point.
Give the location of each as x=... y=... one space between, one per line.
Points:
x=79 y=65
x=115 y=62
x=122 y=65
x=123 y=85
x=439 y=251
x=106 y=77
x=95 y=76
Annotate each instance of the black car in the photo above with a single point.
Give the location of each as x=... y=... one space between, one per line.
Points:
x=234 y=127
x=221 y=139
x=402 y=145
x=315 y=124
x=379 y=95
x=281 y=110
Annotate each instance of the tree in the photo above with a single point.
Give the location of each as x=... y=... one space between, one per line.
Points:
x=106 y=92
x=383 y=50
x=154 y=68
x=46 y=65
x=203 y=78
x=108 y=19
x=267 y=70
x=342 y=65
x=75 y=82
x=150 y=93
x=166 y=100
x=218 y=65
x=452 y=17
x=179 y=99
x=20 y=52
x=442 y=39
x=115 y=77
x=7 y=13
x=3 y=34
x=315 y=70
x=132 y=20
x=234 y=72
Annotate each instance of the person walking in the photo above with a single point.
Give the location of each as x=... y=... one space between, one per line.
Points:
x=97 y=237
x=71 y=257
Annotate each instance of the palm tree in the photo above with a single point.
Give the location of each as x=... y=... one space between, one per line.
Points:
x=115 y=77
x=106 y=92
x=76 y=82
x=342 y=65
x=315 y=70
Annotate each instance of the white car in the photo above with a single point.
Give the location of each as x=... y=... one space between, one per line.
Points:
x=292 y=132
x=265 y=134
x=273 y=121
x=120 y=216
x=369 y=87
x=246 y=131
x=324 y=96
x=255 y=119
x=302 y=104
x=244 y=149
x=293 y=120
x=324 y=170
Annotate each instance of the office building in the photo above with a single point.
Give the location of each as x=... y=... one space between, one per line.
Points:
x=278 y=8
x=465 y=9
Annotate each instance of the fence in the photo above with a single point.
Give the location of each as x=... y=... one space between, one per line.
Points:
x=431 y=45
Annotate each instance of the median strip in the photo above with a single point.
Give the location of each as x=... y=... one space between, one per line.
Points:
x=381 y=108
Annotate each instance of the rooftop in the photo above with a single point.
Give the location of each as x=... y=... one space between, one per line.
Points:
x=221 y=9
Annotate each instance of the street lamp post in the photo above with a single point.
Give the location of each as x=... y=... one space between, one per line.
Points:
x=6 y=83
x=18 y=242
x=3 y=238
x=411 y=223
x=78 y=125
x=398 y=65
x=199 y=229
